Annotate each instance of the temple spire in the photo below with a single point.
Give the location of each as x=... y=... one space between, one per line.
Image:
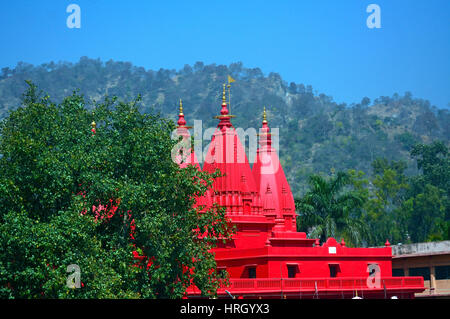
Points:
x=94 y=126
x=184 y=154
x=224 y=113
x=264 y=116
x=265 y=135
x=181 y=121
x=224 y=97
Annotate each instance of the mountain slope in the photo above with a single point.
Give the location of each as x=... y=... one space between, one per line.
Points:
x=316 y=134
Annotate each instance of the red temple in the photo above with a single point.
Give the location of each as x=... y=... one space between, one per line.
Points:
x=267 y=257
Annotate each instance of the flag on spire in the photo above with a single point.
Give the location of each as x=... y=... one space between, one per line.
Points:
x=230 y=80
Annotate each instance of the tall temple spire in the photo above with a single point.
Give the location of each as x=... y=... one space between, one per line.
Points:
x=94 y=126
x=224 y=98
x=224 y=110
x=224 y=113
x=265 y=135
x=264 y=116
x=276 y=195
x=181 y=121
x=235 y=189
x=185 y=154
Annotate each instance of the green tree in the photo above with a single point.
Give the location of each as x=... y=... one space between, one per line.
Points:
x=426 y=215
x=434 y=162
x=69 y=196
x=331 y=208
x=382 y=209
x=429 y=197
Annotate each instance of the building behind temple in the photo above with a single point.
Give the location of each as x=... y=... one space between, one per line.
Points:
x=429 y=260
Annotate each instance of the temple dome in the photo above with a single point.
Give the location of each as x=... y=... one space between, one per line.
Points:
x=236 y=188
x=275 y=192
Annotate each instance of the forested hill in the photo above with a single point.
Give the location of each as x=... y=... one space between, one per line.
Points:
x=316 y=134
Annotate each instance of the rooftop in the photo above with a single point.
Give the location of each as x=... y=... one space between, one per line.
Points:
x=421 y=249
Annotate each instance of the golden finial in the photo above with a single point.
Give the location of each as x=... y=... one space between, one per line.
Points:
x=181 y=107
x=264 y=115
x=224 y=98
x=94 y=125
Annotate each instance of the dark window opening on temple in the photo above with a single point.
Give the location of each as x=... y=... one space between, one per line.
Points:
x=252 y=272
x=292 y=271
x=333 y=270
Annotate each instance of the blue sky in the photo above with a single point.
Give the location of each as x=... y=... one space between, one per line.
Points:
x=322 y=43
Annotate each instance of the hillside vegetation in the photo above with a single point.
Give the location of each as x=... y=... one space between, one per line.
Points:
x=316 y=134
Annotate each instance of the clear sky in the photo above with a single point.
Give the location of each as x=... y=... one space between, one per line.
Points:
x=323 y=43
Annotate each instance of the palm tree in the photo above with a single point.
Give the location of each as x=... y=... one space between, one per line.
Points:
x=331 y=209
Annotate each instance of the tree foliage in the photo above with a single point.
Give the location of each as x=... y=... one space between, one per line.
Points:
x=390 y=204
x=429 y=202
x=69 y=196
x=383 y=212
x=330 y=209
